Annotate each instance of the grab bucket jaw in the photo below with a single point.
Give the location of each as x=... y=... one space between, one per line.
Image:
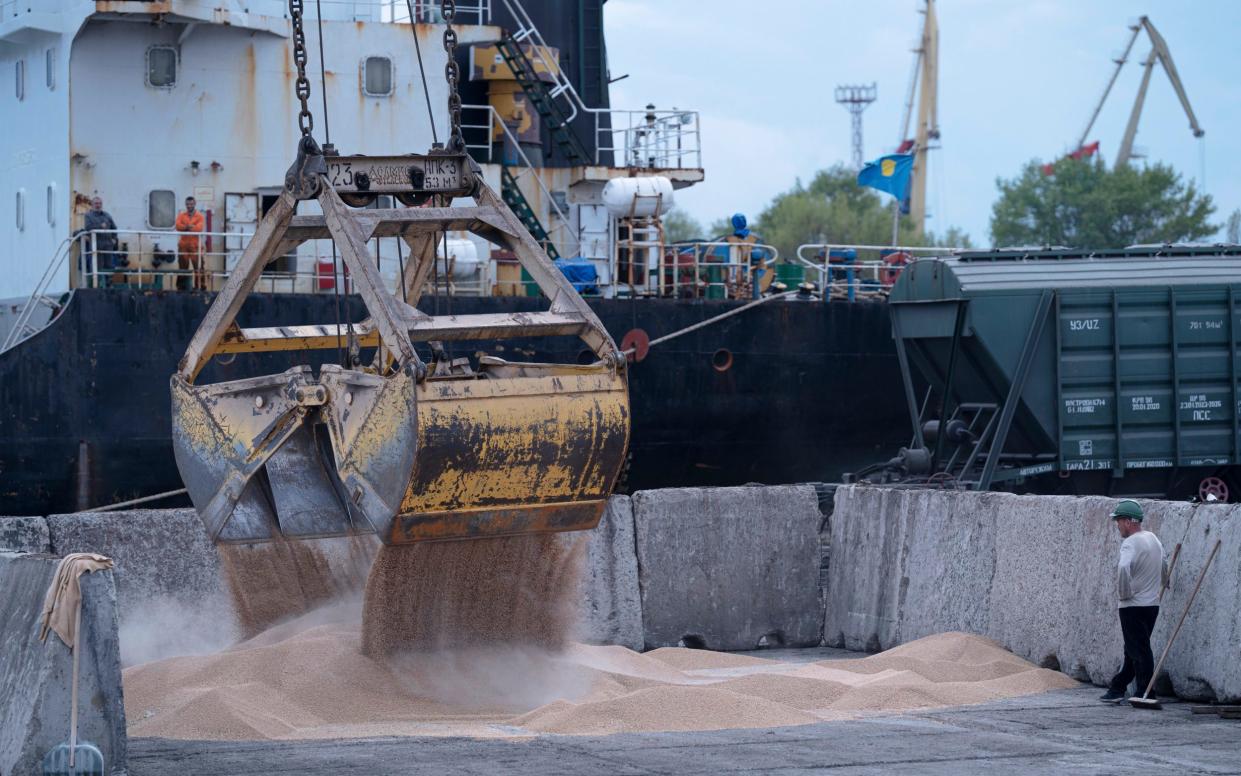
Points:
x=400 y=448
x=252 y=457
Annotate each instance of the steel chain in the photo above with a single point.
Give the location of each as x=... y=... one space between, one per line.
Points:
x=305 y=120
x=452 y=74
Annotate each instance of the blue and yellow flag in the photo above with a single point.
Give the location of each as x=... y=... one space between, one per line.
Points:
x=888 y=173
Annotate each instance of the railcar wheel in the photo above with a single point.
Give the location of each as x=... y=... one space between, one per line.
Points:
x=1213 y=489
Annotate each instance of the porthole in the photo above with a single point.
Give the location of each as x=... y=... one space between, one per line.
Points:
x=162 y=67
x=377 y=76
x=722 y=360
x=161 y=209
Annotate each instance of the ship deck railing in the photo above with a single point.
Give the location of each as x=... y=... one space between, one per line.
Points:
x=425 y=11
x=314 y=267
x=639 y=139
x=711 y=269
x=859 y=272
x=511 y=155
x=396 y=11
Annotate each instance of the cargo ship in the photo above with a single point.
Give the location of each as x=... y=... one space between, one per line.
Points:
x=143 y=104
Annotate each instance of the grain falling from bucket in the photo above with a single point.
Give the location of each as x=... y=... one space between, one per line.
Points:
x=515 y=590
x=283 y=579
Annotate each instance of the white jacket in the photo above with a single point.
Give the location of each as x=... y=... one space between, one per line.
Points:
x=1141 y=571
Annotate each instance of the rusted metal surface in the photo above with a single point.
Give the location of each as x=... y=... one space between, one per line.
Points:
x=508 y=442
x=420 y=329
x=389 y=223
x=490 y=523
x=444 y=173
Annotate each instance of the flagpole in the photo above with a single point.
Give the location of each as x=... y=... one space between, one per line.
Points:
x=896 y=220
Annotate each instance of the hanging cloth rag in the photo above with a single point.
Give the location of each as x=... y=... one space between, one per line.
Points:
x=64 y=595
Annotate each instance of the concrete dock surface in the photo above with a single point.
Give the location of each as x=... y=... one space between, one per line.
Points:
x=1061 y=732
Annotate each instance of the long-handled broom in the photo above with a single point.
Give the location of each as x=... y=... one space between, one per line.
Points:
x=1146 y=701
x=75 y=758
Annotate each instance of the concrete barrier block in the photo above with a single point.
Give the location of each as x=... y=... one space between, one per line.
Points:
x=173 y=592
x=1054 y=594
x=159 y=553
x=1203 y=662
x=24 y=534
x=611 y=606
x=35 y=676
x=1036 y=573
x=729 y=567
x=944 y=541
x=863 y=590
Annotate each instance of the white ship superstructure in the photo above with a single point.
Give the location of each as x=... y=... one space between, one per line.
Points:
x=145 y=103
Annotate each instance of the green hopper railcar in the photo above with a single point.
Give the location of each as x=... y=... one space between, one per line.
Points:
x=1108 y=372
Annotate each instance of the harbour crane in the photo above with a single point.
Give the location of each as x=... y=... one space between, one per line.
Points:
x=1159 y=53
x=923 y=82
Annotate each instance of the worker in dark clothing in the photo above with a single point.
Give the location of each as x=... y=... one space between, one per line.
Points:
x=1140 y=576
x=104 y=240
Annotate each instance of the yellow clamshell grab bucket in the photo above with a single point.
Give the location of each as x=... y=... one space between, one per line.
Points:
x=410 y=450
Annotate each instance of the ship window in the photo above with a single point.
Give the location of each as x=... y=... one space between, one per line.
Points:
x=21 y=210
x=377 y=76
x=162 y=67
x=51 y=204
x=49 y=63
x=20 y=73
x=161 y=209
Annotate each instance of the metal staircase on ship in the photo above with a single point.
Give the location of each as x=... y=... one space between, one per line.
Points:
x=555 y=100
x=512 y=195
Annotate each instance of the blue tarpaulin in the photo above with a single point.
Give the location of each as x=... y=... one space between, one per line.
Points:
x=581 y=273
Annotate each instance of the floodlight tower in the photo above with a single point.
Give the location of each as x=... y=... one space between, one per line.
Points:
x=856 y=99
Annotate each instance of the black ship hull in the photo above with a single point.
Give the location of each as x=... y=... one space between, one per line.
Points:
x=786 y=392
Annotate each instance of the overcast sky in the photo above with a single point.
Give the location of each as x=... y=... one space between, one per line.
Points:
x=1018 y=80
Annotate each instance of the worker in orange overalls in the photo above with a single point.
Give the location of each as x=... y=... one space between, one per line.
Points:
x=190 y=246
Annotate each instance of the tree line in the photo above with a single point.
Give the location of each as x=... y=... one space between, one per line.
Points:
x=1072 y=203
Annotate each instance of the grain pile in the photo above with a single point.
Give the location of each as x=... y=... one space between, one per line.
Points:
x=307 y=679
x=516 y=590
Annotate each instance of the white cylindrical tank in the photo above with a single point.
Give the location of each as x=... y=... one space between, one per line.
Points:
x=463 y=259
x=641 y=197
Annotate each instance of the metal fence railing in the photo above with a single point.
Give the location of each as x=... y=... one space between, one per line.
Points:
x=485 y=121
x=648 y=138
x=853 y=272
x=708 y=269
x=424 y=11
x=150 y=259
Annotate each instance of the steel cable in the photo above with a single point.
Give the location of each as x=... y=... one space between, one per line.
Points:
x=413 y=27
x=327 y=125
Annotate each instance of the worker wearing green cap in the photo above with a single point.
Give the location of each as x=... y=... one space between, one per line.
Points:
x=1139 y=579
